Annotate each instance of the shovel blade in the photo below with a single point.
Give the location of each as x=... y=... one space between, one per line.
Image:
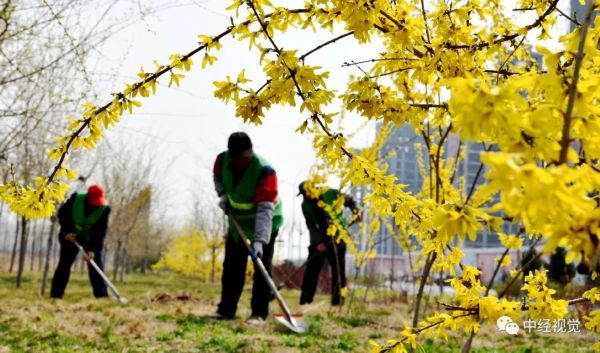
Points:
x=296 y=324
x=121 y=300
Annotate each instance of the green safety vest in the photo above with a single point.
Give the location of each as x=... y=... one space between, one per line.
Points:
x=241 y=197
x=310 y=210
x=83 y=225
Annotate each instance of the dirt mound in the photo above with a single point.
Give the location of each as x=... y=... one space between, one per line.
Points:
x=165 y=298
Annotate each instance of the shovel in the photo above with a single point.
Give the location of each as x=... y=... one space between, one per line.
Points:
x=118 y=297
x=294 y=323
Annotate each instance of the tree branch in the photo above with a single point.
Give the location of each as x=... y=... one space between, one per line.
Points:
x=508 y=37
x=477 y=175
x=149 y=78
x=425 y=20
x=326 y=44
x=572 y=19
x=292 y=73
x=421 y=329
x=568 y=116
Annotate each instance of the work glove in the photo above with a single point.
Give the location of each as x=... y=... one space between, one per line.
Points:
x=89 y=256
x=223 y=202
x=257 y=249
x=321 y=247
x=70 y=237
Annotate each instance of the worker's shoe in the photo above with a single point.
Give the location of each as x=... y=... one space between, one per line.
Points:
x=255 y=321
x=305 y=300
x=339 y=302
x=218 y=316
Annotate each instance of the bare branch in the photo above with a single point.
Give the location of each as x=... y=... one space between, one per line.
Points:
x=568 y=115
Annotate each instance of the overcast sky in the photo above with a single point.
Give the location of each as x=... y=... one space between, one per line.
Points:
x=188 y=125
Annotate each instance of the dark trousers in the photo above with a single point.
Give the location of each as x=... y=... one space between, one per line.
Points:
x=234 y=276
x=313 y=269
x=68 y=254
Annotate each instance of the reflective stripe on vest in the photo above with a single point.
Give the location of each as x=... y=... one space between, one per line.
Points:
x=240 y=205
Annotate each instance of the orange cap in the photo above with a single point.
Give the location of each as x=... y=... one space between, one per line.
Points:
x=95 y=195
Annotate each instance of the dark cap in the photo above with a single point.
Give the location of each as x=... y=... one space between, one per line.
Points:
x=301 y=189
x=239 y=142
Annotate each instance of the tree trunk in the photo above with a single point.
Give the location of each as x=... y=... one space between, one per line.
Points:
x=5 y=237
x=424 y=277
x=428 y=299
x=41 y=251
x=368 y=281
x=353 y=292
x=467 y=346
x=116 y=260
x=124 y=263
x=145 y=258
x=128 y=266
x=124 y=259
x=55 y=257
x=34 y=229
x=22 y=251
x=48 y=252
x=13 y=255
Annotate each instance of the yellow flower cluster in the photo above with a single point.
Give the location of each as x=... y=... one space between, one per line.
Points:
x=525 y=197
x=39 y=200
x=449 y=68
x=541 y=303
x=510 y=241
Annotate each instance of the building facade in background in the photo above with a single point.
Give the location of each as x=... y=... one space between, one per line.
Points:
x=401 y=153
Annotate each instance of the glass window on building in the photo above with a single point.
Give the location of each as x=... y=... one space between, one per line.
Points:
x=493 y=240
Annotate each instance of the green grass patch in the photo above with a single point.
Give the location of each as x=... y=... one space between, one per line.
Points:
x=80 y=323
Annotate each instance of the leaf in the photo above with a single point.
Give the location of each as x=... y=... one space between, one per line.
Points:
x=71 y=174
x=175 y=79
x=208 y=59
x=142 y=74
x=187 y=64
x=241 y=78
x=204 y=39
x=302 y=128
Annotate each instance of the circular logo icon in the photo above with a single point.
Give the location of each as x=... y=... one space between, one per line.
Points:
x=502 y=322
x=512 y=328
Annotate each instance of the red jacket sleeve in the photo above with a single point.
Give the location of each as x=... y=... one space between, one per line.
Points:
x=267 y=186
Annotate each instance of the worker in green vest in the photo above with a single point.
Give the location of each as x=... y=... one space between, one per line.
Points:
x=322 y=245
x=83 y=218
x=247 y=187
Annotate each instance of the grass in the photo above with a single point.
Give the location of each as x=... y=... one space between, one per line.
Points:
x=31 y=323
